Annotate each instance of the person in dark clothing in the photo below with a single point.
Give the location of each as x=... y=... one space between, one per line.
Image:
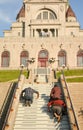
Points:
x=58 y=107
x=27 y=95
x=55 y=93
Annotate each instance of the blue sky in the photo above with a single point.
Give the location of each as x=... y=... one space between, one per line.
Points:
x=10 y=8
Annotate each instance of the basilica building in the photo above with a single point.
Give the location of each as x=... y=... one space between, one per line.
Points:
x=46 y=34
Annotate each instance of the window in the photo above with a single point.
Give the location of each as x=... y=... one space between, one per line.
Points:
x=39 y=16
x=51 y=15
x=23 y=58
x=80 y=58
x=46 y=14
x=43 y=54
x=5 y=59
x=62 y=58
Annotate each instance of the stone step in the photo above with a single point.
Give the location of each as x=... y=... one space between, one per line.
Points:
x=37 y=116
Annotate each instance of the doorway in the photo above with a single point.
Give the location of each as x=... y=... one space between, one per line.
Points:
x=43 y=58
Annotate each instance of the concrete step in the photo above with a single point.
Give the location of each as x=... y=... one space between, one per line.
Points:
x=42 y=79
x=37 y=116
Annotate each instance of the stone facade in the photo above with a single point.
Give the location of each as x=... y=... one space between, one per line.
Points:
x=46 y=34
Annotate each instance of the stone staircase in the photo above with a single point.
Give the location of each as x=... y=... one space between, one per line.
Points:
x=37 y=117
x=42 y=79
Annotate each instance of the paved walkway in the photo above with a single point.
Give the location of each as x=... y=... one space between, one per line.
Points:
x=3 y=92
x=76 y=94
x=67 y=77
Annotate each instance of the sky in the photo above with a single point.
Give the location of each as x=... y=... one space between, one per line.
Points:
x=10 y=8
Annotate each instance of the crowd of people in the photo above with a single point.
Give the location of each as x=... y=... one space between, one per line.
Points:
x=56 y=104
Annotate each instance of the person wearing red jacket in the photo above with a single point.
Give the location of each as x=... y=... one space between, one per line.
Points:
x=55 y=93
x=57 y=106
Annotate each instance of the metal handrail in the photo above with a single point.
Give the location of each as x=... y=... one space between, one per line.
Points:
x=7 y=106
x=5 y=110
x=70 y=100
x=5 y=100
x=19 y=76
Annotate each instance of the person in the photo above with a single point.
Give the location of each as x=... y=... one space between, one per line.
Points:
x=58 y=108
x=27 y=95
x=55 y=93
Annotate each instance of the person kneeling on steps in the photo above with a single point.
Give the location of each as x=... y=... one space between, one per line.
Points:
x=58 y=108
x=27 y=95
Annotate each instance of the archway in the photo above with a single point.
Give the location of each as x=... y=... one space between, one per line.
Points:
x=43 y=58
x=23 y=58
x=5 y=59
x=62 y=58
x=80 y=58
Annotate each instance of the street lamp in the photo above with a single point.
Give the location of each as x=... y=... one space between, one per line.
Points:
x=30 y=61
x=63 y=66
x=51 y=60
x=22 y=66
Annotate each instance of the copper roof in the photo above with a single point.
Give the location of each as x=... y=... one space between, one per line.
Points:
x=21 y=12
x=70 y=12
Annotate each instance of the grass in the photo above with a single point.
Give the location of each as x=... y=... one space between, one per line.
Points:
x=8 y=75
x=77 y=72
x=74 y=75
x=77 y=79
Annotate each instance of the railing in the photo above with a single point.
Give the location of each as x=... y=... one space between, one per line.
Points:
x=74 y=123
x=5 y=110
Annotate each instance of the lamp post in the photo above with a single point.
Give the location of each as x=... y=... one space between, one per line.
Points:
x=21 y=66
x=51 y=60
x=30 y=61
x=63 y=66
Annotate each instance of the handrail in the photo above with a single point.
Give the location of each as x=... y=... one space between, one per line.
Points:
x=5 y=100
x=5 y=110
x=7 y=107
x=19 y=76
x=70 y=99
x=1 y=111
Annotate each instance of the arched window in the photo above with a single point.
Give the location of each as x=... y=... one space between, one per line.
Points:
x=46 y=14
x=5 y=59
x=62 y=58
x=24 y=58
x=80 y=58
x=43 y=58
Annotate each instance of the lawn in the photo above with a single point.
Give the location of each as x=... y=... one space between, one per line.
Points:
x=7 y=75
x=77 y=79
x=72 y=75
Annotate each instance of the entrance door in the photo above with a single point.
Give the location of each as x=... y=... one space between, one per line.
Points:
x=43 y=58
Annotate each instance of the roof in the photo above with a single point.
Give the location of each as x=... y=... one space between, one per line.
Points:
x=70 y=12
x=21 y=12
